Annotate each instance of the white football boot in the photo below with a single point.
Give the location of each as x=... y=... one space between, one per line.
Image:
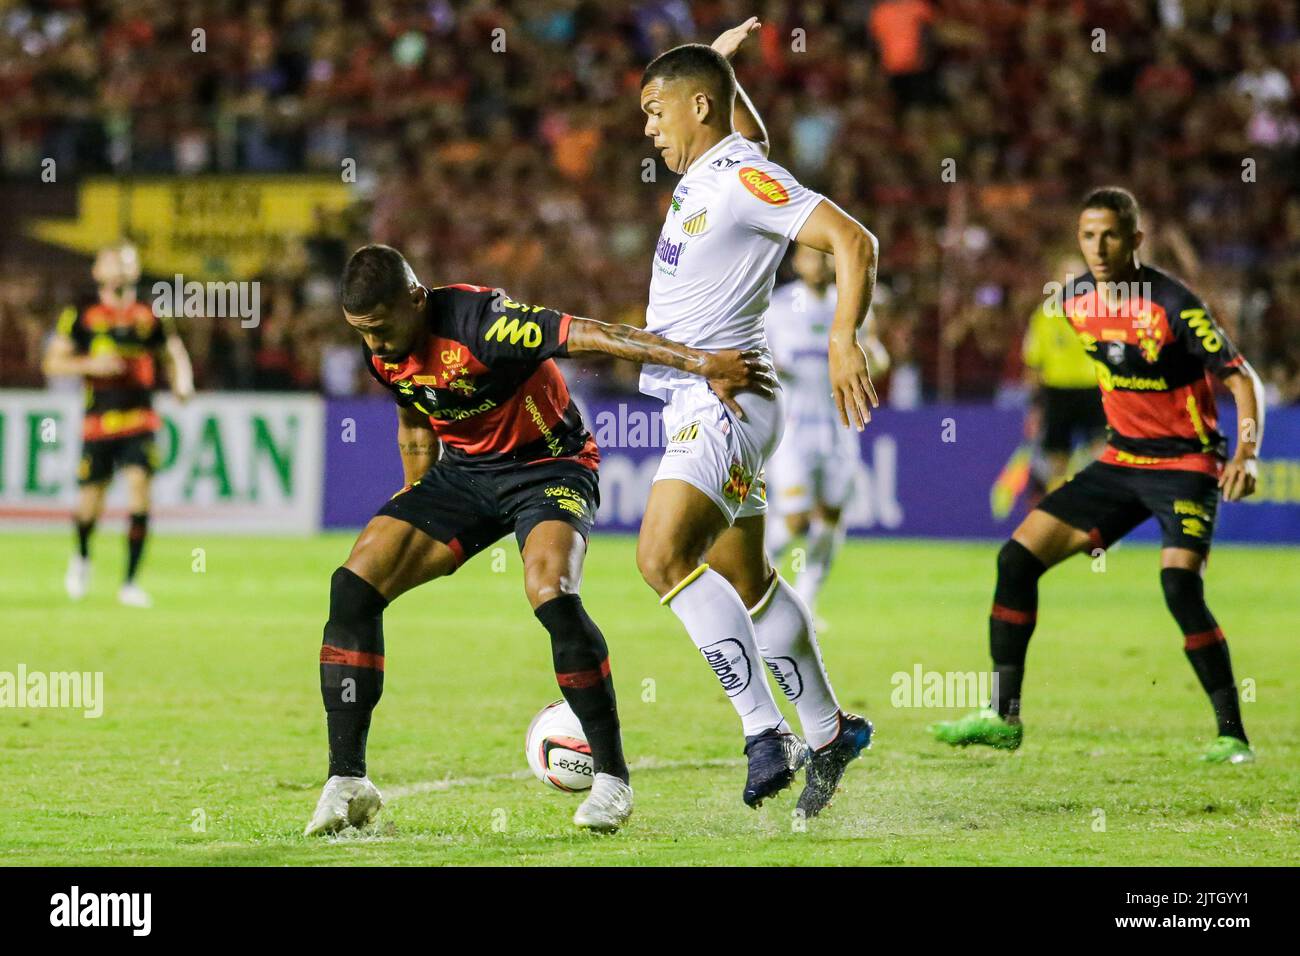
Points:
x=345 y=801
x=607 y=807
x=132 y=595
x=77 y=581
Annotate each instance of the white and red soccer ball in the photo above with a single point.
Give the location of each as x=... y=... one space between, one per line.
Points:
x=557 y=749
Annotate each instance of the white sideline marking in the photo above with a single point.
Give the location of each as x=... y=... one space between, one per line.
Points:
x=450 y=783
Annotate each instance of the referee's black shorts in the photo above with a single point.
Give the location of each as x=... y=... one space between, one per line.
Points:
x=469 y=509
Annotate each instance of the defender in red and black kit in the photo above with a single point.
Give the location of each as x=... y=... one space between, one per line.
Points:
x=473 y=372
x=1158 y=352
x=117 y=345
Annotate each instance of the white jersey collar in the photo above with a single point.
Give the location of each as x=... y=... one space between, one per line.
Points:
x=716 y=147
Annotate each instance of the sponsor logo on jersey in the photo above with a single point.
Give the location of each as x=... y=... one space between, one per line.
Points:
x=763 y=186
x=696 y=224
x=460 y=414
x=668 y=252
x=1109 y=381
x=1203 y=327
x=724 y=163
x=516 y=331
x=552 y=441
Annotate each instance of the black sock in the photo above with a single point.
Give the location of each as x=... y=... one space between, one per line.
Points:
x=1205 y=647
x=136 y=531
x=84 y=529
x=1011 y=622
x=351 y=669
x=581 y=662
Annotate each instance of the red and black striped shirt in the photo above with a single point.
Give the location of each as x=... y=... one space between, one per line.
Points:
x=1156 y=346
x=486 y=376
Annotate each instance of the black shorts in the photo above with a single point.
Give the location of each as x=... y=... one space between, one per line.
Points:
x=1109 y=501
x=468 y=510
x=1071 y=412
x=103 y=456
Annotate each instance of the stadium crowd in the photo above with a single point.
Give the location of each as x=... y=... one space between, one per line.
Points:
x=961 y=132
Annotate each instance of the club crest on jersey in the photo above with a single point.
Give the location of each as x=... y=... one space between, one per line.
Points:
x=1149 y=341
x=696 y=224
x=763 y=186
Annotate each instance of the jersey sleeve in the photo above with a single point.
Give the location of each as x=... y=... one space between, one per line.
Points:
x=499 y=329
x=71 y=326
x=1204 y=338
x=766 y=198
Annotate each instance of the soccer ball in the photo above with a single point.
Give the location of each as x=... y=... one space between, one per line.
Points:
x=557 y=749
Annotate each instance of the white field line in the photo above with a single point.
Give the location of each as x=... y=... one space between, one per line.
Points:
x=452 y=783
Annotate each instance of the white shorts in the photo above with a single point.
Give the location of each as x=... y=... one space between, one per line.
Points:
x=710 y=449
x=815 y=464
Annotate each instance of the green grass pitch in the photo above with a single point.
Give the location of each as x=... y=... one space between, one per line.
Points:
x=211 y=746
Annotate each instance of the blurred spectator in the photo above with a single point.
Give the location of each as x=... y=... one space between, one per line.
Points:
x=962 y=132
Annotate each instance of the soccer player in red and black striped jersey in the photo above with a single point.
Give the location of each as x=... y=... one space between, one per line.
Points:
x=116 y=344
x=473 y=370
x=1158 y=352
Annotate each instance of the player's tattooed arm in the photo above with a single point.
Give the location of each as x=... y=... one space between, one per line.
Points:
x=1240 y=474
x=728 y=371
x=416 y=443
x=830 y=229
x=744 y=117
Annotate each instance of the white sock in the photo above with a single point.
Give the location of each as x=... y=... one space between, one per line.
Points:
x=718 y=623
x=777 y=537
x=821 y=547
x=788 y=641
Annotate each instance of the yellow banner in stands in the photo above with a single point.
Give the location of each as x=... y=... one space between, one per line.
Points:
x=203 y=227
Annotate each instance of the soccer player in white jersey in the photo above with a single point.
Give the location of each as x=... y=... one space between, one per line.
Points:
x=810 y=477
x=701 y=547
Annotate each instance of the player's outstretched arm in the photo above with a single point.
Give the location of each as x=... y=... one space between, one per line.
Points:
x=744 y=117
x=1239 y=476
x=729 y=371
x=416 y=443
x=831 y=229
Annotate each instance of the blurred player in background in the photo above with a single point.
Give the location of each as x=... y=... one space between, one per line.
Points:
x=1065 y=404
x=472 y=371
x=116 y=345
x=810 y=477
x=1157 y=350
x=701 y=547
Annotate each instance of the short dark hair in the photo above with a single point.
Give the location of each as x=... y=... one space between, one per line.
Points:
x=374 y=276
x=696 y=61
x=1119 y=201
